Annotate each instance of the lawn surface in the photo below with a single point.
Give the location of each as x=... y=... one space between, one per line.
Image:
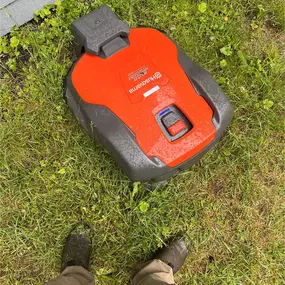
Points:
x=52 y=175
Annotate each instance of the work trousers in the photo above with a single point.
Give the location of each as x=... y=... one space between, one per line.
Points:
x=154 y=272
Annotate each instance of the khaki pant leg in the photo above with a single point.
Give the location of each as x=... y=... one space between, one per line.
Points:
x=155 y=272
x=73 y=275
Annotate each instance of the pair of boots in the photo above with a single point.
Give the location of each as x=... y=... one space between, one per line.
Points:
x=159 y=271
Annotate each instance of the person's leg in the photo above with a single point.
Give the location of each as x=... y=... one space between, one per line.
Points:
x=73 y=275
x=154 y=272
x=75 y=259
x=166 y=262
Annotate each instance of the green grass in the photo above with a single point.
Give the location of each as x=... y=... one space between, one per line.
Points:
x=52 y=175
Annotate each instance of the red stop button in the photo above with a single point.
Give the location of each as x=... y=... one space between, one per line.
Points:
x=176 y=128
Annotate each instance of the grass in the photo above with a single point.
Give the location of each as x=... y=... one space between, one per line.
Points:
x=52 y=175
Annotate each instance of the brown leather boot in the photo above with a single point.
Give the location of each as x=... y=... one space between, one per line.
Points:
x=78 y=248
x=175 y=254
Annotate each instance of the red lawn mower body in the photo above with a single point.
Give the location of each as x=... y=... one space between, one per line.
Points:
x=137 y=93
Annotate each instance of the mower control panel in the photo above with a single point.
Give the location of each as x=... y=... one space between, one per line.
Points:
x=173 y=123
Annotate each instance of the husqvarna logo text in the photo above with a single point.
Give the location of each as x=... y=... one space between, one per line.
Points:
x=156 y=75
